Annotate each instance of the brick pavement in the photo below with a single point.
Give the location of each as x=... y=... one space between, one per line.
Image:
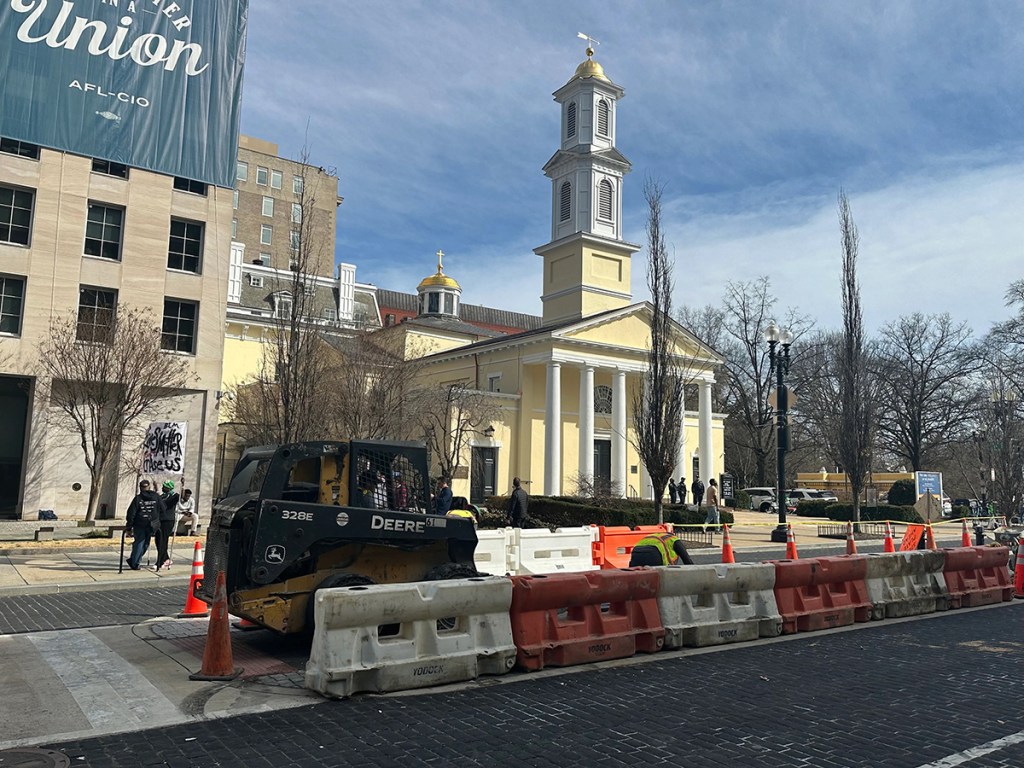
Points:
x=892 y=694
x=69 y=610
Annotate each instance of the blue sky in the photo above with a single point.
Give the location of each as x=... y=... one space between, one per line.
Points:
x=438 y=117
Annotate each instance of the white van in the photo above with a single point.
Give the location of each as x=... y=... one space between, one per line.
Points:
x=762 y=499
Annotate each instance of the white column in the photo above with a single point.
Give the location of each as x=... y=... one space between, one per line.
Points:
x=704 y=443
x=682 y=459
x=587 y=422
x=619 y=432
x=553 y=431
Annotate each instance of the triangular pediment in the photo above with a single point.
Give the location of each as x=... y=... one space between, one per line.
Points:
x=609 y=155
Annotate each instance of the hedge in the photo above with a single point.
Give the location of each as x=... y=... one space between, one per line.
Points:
x=844 y=513
x=567 y=512
x=817 y=508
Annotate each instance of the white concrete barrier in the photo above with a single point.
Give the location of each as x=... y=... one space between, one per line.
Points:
x=567 y=550
x=715 y=604
x=434 y=632
x=494 y=552
x=906 y=583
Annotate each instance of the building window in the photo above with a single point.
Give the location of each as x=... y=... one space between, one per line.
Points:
x=234 y=228
x=295 y=240
x=103 y=231
x=266 y=234
x=297 y=185
x=185 y=247
x=330 y=315
x=283 y=305
x=96 y=310
x=389 y=320
x=243 y=172
x=179 y=328
x=256 y=281
x=275 y=179
x=603 y=110
x=190 y=185
x=234 y=200
x=268 y=206
x=570 y=120
x=264 y=259
x=109 y=168
x=296 y=213
x=602 y=399
x=434 y=302
x=449 y=304
x=565 y=201
x=309 y=289
x=15 y=215
x=12 y=298
x=261 y=176
x=494 y=382
x=605 y=201
x=19 y=148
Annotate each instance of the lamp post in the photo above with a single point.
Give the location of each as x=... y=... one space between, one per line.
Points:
x=778 y=359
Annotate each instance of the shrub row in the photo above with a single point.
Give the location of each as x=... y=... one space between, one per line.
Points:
x=843 y=512
x=566 y=512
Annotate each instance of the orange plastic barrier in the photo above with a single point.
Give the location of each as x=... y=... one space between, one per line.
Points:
x=615 y=544
x=977 y=576
x=562 y=619
x=821 y=593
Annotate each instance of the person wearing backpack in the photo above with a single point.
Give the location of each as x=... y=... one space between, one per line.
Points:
x=142 y=520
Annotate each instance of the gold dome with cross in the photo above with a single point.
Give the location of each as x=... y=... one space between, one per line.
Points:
x=439 y=279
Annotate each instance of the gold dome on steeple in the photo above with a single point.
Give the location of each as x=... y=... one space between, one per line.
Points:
x=439 y=279
x=591 y=68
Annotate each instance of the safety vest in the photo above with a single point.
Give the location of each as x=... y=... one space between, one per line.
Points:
x=664 y=543
x=462 y=513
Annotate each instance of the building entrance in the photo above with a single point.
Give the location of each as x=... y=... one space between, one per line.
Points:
x=14 y=405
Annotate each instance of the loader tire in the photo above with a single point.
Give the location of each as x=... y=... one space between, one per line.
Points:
x=332 y=581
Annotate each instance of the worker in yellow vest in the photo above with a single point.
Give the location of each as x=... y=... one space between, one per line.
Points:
x=660 y=549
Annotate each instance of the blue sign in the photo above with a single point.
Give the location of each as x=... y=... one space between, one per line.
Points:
x=153 y=84
x=929 y=482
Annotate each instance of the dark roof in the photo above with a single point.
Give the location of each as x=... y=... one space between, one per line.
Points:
x=474 y=314
x=453 y=325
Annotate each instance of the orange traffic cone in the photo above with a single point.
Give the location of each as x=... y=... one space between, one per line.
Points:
x=1018 y=571
x=930 y=534
x=791 y=544
x=193 y=605
x=218 y=663
x=965 y=537
x=889 y=546
x=245 y=625
x=851 y=544
x=727 y=556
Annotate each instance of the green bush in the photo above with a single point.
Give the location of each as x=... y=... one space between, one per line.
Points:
x=961 y=510
x=741 y=500
x=902 y=513
x=903 y=492
x=817 y=508
x=567 y=512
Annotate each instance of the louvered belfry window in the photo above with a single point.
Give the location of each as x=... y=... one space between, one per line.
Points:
x=565 y=194
x=570 y=121
x=604 y=199
x=602 y=117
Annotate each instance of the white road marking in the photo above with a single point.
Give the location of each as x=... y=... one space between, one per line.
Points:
x=975 y=752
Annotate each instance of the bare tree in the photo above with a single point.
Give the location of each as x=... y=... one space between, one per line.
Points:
x=104 y=377
x=854 y=378
x=658 y=403
x=816 y=377
x=450 y=415
x=924 y=368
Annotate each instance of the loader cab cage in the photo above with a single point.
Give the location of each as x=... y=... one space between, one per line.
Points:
x=389 y=476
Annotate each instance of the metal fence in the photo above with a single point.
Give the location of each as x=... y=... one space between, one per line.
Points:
x=862 y=530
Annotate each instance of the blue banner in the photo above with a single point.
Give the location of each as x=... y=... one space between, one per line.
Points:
x=149 y=83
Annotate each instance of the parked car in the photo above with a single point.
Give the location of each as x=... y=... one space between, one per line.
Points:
x=828 y=496
x=803 y=494
x=762 y=499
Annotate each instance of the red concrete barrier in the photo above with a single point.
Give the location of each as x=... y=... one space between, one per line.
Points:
x=821 y=593
x=575 y=618
x=977 y=576
x=615 y=544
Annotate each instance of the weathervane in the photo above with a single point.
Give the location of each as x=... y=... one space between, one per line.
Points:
x=591 y=42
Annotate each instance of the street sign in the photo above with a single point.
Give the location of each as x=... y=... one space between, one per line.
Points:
x=928 y=482
x=773 y=397
x=929 y=507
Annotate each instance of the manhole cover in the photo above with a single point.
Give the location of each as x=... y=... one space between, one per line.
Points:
x=33 y=758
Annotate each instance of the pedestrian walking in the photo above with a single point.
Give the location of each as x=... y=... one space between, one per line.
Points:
x=142 y=520
x=681 y=490
x=672 y=491
x=697 y=489
x=443 y=499
x=168 y=521
x=712 y=505
x=659 y=549
x=517 y=504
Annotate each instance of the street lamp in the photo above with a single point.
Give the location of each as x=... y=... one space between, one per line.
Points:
x=778 y=359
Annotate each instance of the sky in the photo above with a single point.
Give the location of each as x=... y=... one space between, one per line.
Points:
x=438 y=117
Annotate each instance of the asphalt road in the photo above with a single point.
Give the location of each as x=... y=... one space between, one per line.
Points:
x=894 y=693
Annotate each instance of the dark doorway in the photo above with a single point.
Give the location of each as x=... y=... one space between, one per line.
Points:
x=14 y=404
x=603 y=467
x=484 y=475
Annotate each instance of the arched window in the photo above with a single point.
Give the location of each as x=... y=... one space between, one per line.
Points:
x=602 y=399
x=605 y=200
x=570 y=120
x=565 y=196
x=603 y=110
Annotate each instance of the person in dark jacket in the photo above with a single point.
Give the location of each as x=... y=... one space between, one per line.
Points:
x=165 y=531
x=517 y=504
x=697 y=489
x=443 y=499
x=142 y=520
x=672 y=490
x=659 y=549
